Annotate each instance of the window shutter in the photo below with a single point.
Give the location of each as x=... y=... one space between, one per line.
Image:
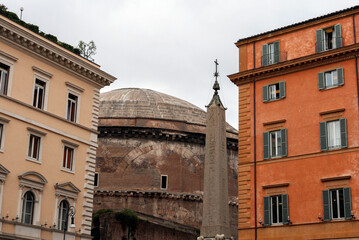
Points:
x=338 y=36
x=283 y=133
x=265 y=55
x=285 y=209
x=282 y=90
x=265 y=94
x=323 y=136
x=347 y=204
x=343 y=132
x=326 y=206
x=266 y=206
x=321 y=82
x=266 y=145
x=276 y=52
x=320 y=42
x=340 y=72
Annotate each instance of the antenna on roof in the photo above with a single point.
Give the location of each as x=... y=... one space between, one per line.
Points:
x=21 y=9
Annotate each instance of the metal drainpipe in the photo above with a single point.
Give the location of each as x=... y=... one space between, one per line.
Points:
x=255 y=146
x=356 y=58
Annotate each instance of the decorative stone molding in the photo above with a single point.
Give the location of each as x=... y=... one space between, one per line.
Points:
x=43 y=72
x=27 y=179
x=3 y=173
x=67 y=189
x=57 y=55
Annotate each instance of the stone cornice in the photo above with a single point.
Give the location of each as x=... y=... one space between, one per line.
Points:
x=41 y=47
x=297 y=64
x=161 y=134
x=155 y=194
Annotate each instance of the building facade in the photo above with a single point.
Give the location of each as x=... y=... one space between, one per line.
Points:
x=49 y=104
x=151 y=159
x=298 y=130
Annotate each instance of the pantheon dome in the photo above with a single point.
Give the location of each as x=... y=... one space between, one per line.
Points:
x=151 y=159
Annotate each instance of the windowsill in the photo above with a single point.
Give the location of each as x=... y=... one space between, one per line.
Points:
x=276 y=157
x=68 y=170
x=33 y=160
x=1 y=150
x=333 y=87
x=273 y=100
x=277 y=224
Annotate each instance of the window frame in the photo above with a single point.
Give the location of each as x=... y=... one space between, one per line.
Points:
x=266 y=91
x=271 y=53
x=268 y=210
x=321 y=38
x=322 y=79
x=328 y=204
x=3 y=122
x=96 y=179
x=69 y=145
x=24 y=207
x=61 y=222
x=75 y=91
x=9 y=61
x=267 y=144
x=37 y=134
x=324 y=136
x=161 y=182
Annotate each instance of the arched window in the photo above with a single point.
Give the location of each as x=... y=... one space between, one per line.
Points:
x=63 y=215
x=28 y=207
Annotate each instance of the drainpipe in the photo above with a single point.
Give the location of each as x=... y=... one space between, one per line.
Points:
x=255 y=146
x=356 y=59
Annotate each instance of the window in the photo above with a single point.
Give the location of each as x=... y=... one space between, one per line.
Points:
x=34 y=147
x=28 y=207
x=68 y=158
x=4 y=79
x=63 y=215
x=329 y=38
x=276 y=210
x=72 y=107
x=337 y=204
x=164 y=181
x=333 y=134
x=1 y=135
x=275 y=144
x=39 y=94
x=331 y=79
x=274 y=91
x=95 y=181
x=270 y=53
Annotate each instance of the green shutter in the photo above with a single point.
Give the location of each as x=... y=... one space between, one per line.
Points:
x=326 y=206
x=283 y=133
x=282 y=90
x=343 y=132
x=323 y=136
x=347 y=204
x=338 y=36
x=320 y=42
x=265 y=57
x=340 y=73
x=285 y=209
x=321 y=82
x=266 y=145
x=265 y=94
x=266 y=207
x=276 y=52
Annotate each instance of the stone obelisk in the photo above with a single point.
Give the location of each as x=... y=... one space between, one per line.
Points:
x=215 y=221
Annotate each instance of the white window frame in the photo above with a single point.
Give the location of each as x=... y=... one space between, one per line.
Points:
x=334 y=75
x=270 y=91
x=3 y=122
x=40 y=135
x=23 y=208
x=277 y=143
x=335 y=127
x=278 y=211
x=166 y=182
x=325 y=37
x=338 y=205
x=46 y=81
x=9 y=61
x=271 y=53
x=76 y=91
x=73 y=146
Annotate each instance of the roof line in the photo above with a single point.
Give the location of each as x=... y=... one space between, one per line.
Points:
x=300 y=23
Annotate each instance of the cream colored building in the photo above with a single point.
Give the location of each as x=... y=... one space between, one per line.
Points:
x=49 y=100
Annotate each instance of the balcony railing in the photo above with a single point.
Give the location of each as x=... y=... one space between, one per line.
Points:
x=273 y=58
x=328 y=44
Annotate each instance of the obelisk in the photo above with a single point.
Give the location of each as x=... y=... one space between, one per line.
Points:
x=215 y=221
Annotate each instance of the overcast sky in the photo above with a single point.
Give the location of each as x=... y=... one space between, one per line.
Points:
x=169 y=45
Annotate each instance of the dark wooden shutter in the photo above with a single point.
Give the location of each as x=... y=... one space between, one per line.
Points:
x=282 y=90
x=266 y=145
x=283 y=133
x=343 y=132
x=285 y=209
x=347 y=204
x=340 y=73
x=266 y=207
x=338 y=36
x=320 y=42
x=276 y=52
x=323 y=136
x=265 y=57
x=326 y=206
x=265 y=94
x=321 y=82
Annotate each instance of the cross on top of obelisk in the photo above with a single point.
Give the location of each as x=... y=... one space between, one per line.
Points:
x=216 y=84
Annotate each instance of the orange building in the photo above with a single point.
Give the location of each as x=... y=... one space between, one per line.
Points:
x=298 y=130
x=49 y=104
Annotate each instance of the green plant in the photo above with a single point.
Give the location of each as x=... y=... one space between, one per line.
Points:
x=96 y=216
x=129 y=221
